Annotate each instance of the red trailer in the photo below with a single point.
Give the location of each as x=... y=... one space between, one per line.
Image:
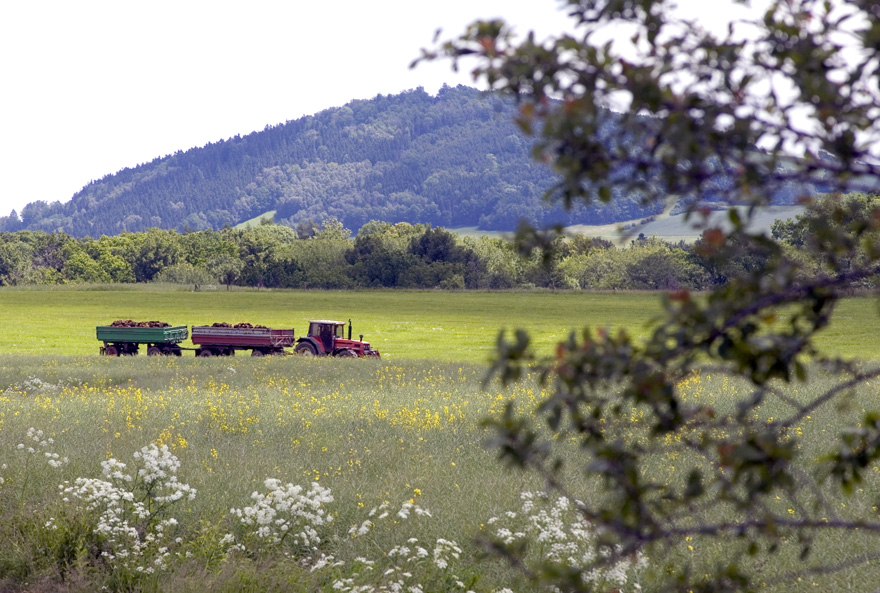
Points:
x=224 y=340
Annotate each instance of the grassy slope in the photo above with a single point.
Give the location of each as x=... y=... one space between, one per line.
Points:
x=256 y=220
x=676 y=228
x=457 y=326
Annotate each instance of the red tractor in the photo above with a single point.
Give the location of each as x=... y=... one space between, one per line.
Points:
x=327 y=338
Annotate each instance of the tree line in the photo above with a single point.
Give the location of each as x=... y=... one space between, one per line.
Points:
x=398 y=255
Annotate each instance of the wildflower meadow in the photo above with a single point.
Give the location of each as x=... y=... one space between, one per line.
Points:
x=265 y=473
x=309 y=474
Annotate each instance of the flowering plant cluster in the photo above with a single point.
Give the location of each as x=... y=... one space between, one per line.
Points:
x=412 y=562
x=285 y=513
x=559 y=535
x=32 y=384
x=132 y=523
x=36 y=444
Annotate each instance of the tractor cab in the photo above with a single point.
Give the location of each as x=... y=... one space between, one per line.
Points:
x=327 y=332
x=328 y=338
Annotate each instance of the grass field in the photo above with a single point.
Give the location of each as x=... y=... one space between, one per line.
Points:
x=379 y=437
x=451 y=326
x=401 y=435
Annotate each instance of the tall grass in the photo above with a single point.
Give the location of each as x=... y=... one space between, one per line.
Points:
x=377 y=434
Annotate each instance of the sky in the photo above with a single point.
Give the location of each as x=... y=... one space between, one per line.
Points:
x=93 y=86
x=89 y=87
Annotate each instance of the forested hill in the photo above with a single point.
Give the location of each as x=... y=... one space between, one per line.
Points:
x=453 y=160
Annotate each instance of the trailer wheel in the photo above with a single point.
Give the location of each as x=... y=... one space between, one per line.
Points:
x=305 y=349
x=154 y=351
x=206 y=353
x=256 y=352
x=111 y=351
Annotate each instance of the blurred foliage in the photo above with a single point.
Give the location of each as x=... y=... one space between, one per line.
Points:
x=782 y=101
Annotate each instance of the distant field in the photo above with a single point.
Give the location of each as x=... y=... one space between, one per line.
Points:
x=668 y=228
x=472 y=231
x=426 y=325
x=255 y=221
x=675 y=228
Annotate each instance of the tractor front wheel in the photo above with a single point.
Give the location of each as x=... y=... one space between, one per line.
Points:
x=305 y=349
x=347 y=353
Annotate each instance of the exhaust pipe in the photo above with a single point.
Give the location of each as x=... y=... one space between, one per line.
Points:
x=349 y=329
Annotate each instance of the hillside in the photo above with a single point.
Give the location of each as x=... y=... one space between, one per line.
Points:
x=454 y=159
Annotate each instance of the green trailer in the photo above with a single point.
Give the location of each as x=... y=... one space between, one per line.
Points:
x=119 y=340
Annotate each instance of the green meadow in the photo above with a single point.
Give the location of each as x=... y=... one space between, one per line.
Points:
x=308 y=474
x=434 y=325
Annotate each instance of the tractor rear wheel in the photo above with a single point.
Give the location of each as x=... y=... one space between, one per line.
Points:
x=305 y=349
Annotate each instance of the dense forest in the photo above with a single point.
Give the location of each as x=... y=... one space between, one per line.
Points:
x=400 y=255
x=453 y=160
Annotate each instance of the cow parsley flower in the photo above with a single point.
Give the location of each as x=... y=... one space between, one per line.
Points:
x=286 y=512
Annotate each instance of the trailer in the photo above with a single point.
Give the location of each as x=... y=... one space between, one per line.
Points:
x=214 y=340
x=126 y=340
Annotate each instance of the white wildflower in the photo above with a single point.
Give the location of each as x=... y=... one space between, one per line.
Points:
x=135 y=537
x=287 y=511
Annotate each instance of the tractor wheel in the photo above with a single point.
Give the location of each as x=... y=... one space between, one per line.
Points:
x=305 y=349
x=154 y=351
x=111 y=351
x=347 y=353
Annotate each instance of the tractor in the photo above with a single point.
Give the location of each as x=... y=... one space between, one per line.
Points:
x=327 y=338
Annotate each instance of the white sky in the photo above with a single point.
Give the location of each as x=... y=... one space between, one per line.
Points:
x=89 y=87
